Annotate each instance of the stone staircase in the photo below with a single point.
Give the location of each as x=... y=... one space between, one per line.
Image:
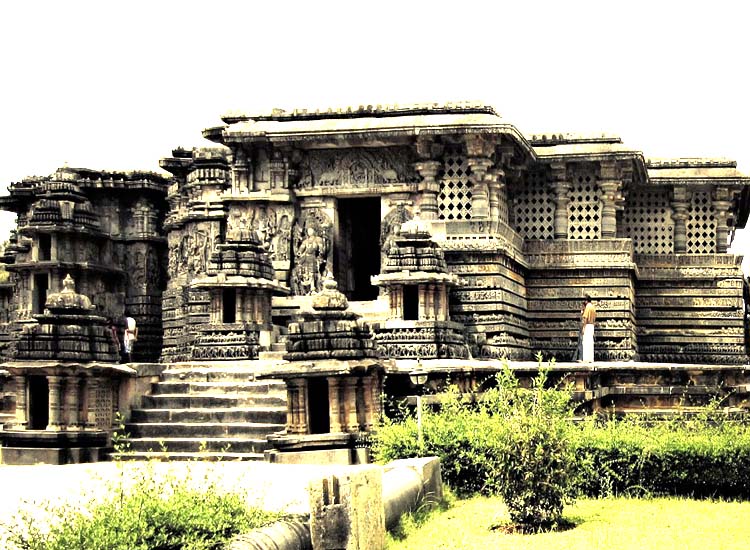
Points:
x=206 y=414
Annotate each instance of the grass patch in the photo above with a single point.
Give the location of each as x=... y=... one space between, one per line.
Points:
x=611 y=523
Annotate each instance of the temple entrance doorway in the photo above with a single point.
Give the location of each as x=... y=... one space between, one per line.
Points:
x=317 y=400
x=38 y=403
x=359 y=247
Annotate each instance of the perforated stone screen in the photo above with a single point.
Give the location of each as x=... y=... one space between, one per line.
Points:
x=584 y=208
x=647 y=220
x=454 y=200
x=701 y=225
x=534 y=208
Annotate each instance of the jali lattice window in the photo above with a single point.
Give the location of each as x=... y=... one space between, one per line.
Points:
x=454 y=200
x=534 y=208
x=647 y=220
x=584 y=207
x=701 y=225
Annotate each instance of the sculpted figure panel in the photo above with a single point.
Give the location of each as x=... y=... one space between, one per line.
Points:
x=312 y=252
x=357 y=168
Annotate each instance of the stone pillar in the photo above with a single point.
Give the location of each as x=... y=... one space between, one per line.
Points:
x=429 y=188
x=562 y=198
x=480 y=200
x=351 y=422
x=496 y=182
x=22 y=420
x=215 y=306
x=55 y=405
x=92 y=388
x=430 y=302
x=240 y=295
x=444 y=310
x=334 y=406
x=72 y=405
x=422 y=298
x=610 y=185
x=399 y=301
x=680 y=216
x=297 y=415
x=375 y=397
x=479 y=161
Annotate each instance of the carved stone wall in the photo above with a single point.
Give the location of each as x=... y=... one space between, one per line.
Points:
x=534 y=207
x=584 y=206
x=647 y=220
x=491 y=302
x=561 y=273
x=456 y=188
x=690 y=309
x=701 y=224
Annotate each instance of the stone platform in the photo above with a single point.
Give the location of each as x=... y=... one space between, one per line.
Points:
x=616 y=386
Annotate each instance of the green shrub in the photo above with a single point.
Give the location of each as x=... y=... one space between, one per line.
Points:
x=512 y=442
x=166 y=516
x=699 y=458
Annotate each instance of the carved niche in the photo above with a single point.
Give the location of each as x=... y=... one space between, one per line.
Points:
x=312 y=247
x=357 y=168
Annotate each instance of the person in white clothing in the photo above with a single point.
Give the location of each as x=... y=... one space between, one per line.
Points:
x=588 y=318
x=130 y=336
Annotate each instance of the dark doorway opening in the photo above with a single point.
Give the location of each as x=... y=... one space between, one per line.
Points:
x=38 y=403
x=317 y=400
x=358 y=247
x=411 y=303
x=41 y=286
x=228 y=305
x=45 y=247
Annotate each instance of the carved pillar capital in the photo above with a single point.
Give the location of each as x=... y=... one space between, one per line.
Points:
x=480 y=207
x=429 y=187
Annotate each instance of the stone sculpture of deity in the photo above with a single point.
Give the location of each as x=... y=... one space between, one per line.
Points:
x=310 y=263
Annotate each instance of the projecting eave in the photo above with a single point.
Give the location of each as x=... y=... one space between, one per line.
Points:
x=594 y=151
x=365 y=130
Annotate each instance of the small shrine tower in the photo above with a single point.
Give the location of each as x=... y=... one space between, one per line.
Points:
x=417 y=283
x=334 y=385
x=66 y=380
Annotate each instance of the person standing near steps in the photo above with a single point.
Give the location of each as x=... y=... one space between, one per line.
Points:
x=588 y=318
x=130 y=336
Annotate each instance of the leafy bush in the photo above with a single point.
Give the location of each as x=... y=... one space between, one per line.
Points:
x=700 y=457
x=512 y=443
x=172 y=515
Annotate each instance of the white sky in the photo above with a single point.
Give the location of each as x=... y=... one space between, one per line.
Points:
x=117 y=85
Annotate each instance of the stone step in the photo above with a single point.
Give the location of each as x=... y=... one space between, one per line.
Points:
x=231 y=386
x=203 y=401
x=201 y=429
x=213 y=375
x=158 y=455
x=196 y=445
x=269 y=415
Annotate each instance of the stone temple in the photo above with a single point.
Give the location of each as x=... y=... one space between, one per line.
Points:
x=286 y=277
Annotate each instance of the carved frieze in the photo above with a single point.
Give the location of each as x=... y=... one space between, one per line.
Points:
x=357 y=168
x=271 y=225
